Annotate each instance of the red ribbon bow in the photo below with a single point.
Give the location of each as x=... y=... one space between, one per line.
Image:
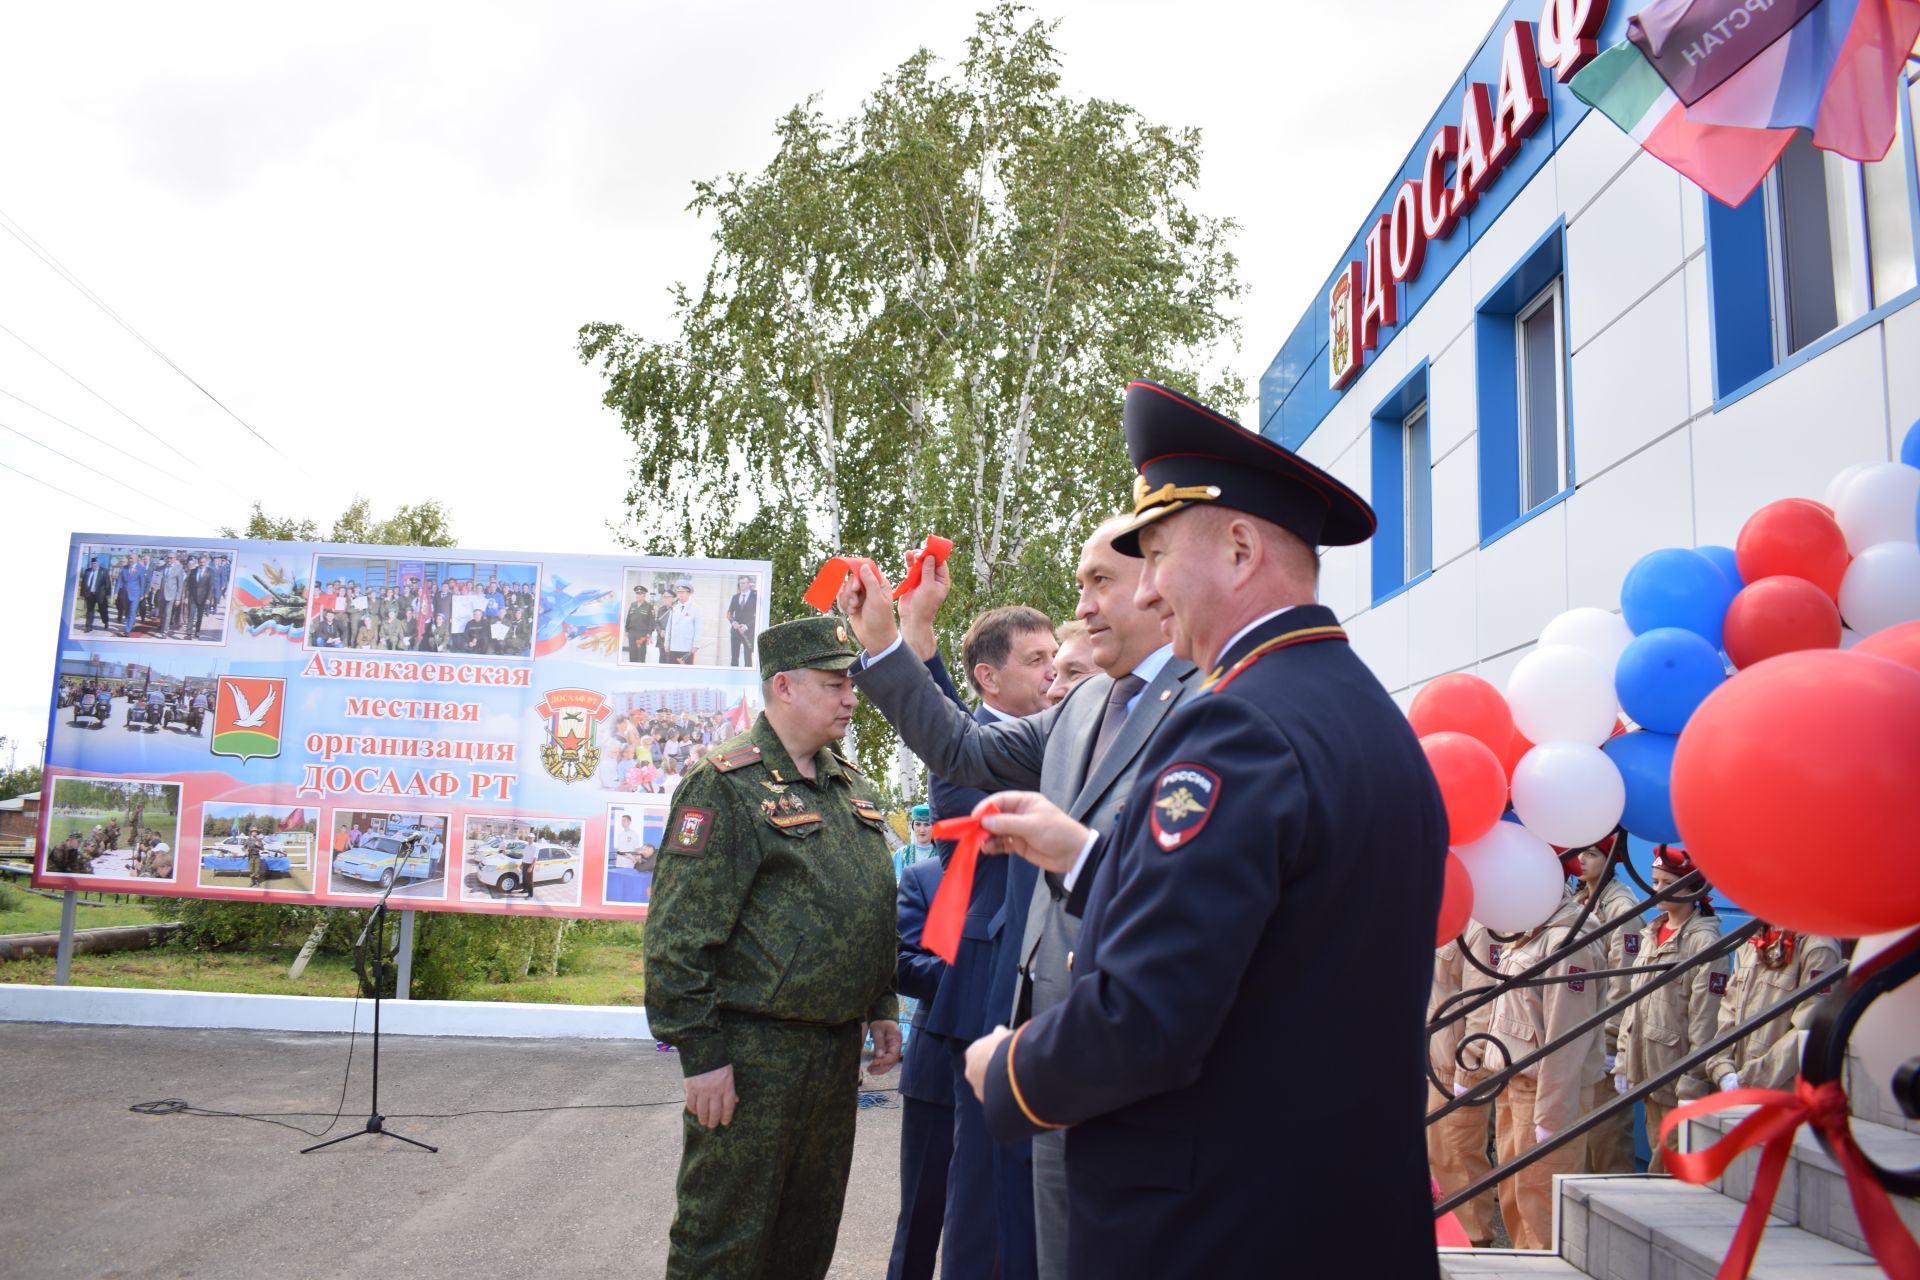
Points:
x=1779 y=1115
x=941 y=934
x=937 y=549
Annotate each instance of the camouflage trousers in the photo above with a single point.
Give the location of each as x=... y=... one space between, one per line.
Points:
x=762 y=1196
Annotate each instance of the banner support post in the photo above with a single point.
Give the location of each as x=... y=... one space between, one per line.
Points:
x=63 y=957
x=403 y=979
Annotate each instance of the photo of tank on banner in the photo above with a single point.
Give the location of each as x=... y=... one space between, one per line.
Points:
x=469 y=730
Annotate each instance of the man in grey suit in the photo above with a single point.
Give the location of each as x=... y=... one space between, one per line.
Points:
x=1081 y=753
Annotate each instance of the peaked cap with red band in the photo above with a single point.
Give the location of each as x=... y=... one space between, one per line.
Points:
x=1187 y=454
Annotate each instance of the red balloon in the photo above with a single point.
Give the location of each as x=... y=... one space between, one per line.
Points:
x=1796 y=538
x=1900 y=644
x=1517 y=748
x=1779 y=615
x=1794 y=789
x=1462 y=703
x=1473 y=786
x=1456 y=903
x=1821 y=507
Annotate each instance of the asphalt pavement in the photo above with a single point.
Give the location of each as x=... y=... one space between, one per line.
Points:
x=91 y=1189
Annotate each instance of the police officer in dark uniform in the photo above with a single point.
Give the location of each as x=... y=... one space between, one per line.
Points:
x=1202 y=1138
x=770 y=945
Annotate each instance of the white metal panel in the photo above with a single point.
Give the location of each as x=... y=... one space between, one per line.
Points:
x=1519 y=225
x=1441 y=618
x=1522 y=581
x=1903 y=376
x=1626 y=242
x=1588 y=160
x=1630 y=383
x=1642 y=505
x=1380 y=638
x=1699 y=339
x=1451 y=396
x=1456 y=502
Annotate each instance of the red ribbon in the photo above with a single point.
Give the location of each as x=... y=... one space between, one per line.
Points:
x=833 y=574
x=941 y=933
x=937 y=549
x=1778 y=1116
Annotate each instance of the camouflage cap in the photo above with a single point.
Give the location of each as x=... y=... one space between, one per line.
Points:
x=820 y=643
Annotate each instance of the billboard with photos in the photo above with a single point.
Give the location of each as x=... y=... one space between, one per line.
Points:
x=479 y=731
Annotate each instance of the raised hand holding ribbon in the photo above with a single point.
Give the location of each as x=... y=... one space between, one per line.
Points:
x=833 y=574
x=936 y=551
x=941 y=933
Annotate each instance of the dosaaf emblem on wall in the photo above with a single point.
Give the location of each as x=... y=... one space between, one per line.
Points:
x=246 y=717
x=573 y=719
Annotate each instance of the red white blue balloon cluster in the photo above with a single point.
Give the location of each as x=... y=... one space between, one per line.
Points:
x=1771 y=699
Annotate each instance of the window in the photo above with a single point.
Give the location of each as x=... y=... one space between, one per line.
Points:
x=1825 y=243
x=1416 y=488
x=1542 y=418
x=1402 y=486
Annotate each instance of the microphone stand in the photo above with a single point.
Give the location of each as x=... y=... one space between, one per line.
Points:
x=377 y=926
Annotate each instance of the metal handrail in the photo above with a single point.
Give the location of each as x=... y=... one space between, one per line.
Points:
x=1486 y=1089
x=1622 y=1102
x=1832 y=1026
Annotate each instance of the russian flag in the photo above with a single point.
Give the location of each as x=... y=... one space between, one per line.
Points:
x=1836 y=69
x=251 y=592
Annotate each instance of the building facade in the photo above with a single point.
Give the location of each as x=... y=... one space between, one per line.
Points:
x=1546 y=354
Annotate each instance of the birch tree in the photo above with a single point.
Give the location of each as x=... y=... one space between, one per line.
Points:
x=922 y=318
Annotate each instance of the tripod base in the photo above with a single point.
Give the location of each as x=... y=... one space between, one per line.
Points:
x=375 y=1124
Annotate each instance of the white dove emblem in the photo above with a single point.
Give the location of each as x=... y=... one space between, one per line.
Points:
x=250 y=717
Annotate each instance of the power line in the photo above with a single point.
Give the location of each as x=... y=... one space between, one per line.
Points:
x=59 y=268
x=89 y=435
x=57 y=489
x=97 y=471
x=95 y=394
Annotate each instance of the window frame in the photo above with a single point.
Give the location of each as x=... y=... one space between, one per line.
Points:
x=1416 y=494
x=1553 y=295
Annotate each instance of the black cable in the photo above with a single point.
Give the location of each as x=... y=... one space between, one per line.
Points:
x=59 y=268
x=57 y=489
x=87 y=466
x=71 y=426
x=95 y=394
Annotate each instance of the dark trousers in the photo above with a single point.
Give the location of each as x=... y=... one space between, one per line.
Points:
x=971 y=1248
x=637 y=650
x=526 y=872
x=926 y=1146
x=196 y=611
x=96 y=605
x=761 y=1197
x=740 y=648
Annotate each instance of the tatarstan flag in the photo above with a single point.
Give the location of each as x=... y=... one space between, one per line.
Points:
x=1726 y=161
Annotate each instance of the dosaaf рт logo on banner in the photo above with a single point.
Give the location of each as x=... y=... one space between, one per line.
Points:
x=573 y=717
x=246 y=717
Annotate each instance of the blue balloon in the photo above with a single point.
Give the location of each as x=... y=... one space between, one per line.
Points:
x=1725 y=561
x=1645 y=761
x=1910 y=447
x=1676 y=587
x=1664 y=674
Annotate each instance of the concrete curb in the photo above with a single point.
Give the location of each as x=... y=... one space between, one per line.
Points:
x=129 y=1007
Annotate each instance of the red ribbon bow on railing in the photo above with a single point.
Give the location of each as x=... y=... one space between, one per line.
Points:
x=941 y=934
x=1779 y=1116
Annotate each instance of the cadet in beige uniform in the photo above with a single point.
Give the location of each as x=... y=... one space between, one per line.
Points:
x=1546 y=1098
x=1609 y=1146
x=1457 y=1143
x=1776 y=962
x=1672 y=1022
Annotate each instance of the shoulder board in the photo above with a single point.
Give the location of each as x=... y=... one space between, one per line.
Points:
x=734 y=759
x=850 y=765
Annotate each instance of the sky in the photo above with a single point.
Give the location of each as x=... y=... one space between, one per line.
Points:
x=371 y=232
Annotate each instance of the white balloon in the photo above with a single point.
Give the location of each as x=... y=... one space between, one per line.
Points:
x=1562 y=694
x=1837 y=487
x=1882 y=587
x=1878 y=504
x=1568 y=793
x=1516 y=878
x=1888 y=1033
x=1604 y=635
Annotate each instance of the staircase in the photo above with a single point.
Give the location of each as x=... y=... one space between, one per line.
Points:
x=1633 y=1227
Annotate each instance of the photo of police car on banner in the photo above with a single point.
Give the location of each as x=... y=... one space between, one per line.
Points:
x=504 y=856
x=350 y=692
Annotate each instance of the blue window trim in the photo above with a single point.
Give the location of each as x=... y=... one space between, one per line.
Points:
x=1739 y=292
x=1496 y=378
x=1402 y=589
x=1389 y=429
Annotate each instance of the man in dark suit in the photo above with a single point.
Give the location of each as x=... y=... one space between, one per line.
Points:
x=1216 y=917
x=1082 y=754
x=199 y=594
x=926 y=1088
x=93 y=591
x=1008 y=657
x=743 y=614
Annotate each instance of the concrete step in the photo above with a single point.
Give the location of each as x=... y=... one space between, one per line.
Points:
x=1813 y=1192
x=1505 y=1264
x=1634 y=1227
x=1869 y=1101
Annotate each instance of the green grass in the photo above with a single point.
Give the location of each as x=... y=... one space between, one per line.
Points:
x=246 y=744
x=606 y=970
x=42 y=915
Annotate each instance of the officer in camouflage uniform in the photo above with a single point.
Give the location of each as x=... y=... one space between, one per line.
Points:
x=770 y=941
